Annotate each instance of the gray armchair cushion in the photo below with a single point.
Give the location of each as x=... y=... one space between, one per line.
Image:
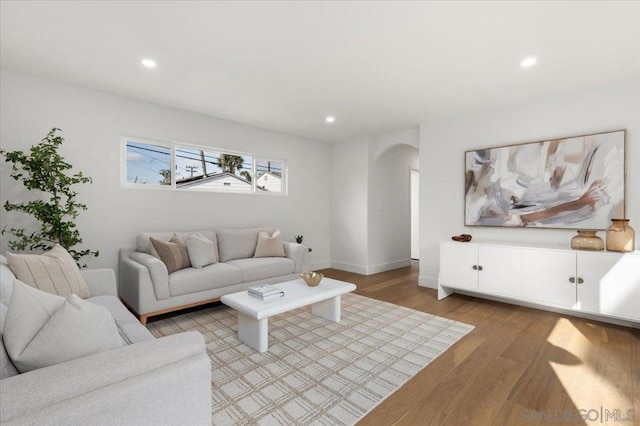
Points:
x=42 y=329
x=7 y=369
x=129 y=327
x=6 y=281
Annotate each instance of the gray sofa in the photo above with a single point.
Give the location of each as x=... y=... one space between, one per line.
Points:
x=148 y=289
x=146 y=382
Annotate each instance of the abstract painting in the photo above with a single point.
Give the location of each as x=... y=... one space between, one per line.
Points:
x=570 y=183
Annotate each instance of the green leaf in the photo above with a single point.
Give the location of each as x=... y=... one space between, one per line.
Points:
x=45 y=171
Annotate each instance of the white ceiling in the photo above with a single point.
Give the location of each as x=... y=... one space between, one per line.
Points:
x=375 y=66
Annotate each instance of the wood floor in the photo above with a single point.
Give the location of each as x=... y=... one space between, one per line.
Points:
x=518 y=366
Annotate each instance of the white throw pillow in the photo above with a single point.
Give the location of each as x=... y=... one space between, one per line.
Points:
x=270 y=246
x=43 y=329
x=54 y=272
x=201 y=251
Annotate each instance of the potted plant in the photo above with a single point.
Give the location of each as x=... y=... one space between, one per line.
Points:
x=45 y=171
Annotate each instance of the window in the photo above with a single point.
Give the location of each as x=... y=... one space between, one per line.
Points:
x=202 y=170
x=150 y=164
x=269 y=175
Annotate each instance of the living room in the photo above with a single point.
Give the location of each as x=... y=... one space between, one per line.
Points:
x=418 y=83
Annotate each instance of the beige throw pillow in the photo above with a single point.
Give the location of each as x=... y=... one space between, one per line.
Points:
x=54 y=272
x=42 y=329
x=270 y=246
x=201 y=251
x=173 y=253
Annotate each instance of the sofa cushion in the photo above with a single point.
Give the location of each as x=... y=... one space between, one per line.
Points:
x=42 y=329
x=270 y=245
x=173 y=253
x=143 y=244
x=238 y=243
x=200 y=249
x=55 y=272
x=263 y=267
x=129 y=327
x=193 y=280
x=7 y=369
x=6 y=281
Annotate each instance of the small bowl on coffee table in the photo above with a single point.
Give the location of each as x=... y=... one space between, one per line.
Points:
x=312 y=278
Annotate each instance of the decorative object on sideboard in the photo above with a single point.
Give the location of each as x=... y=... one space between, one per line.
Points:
x=463 y=238
x=55 y=207
x=587 y=240
x=620 y=236
x=299 y=239
x=312 y=278
x=566 y=183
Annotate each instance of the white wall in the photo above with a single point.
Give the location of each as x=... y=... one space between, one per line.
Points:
x=349 y=186
x=443 y=142
x=367 y=174
x=415 y=214
x=382 y=143
x=93 y=123
x=390 y=209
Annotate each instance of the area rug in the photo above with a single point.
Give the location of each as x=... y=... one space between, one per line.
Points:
x=315 y=372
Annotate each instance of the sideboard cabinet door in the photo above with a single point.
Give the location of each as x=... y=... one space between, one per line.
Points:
x=457 y=261
x=549 y=276
x=501 y=271
x=609 y=284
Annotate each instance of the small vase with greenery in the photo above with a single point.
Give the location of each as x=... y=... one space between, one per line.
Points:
x=45 y=171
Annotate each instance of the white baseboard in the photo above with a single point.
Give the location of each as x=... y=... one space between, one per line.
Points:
x=349 y=267
x=425 y=281
x=370 y=269
x=382 y=267
x=314 y=266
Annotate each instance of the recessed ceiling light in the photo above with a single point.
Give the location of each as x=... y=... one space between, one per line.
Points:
x=528 y=62
x=149 y=63
x=330 y=119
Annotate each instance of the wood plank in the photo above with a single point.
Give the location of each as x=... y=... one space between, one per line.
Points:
x=516 y=366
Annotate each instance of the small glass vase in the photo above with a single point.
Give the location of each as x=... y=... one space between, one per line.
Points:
x=621 y=236
x=587 y=240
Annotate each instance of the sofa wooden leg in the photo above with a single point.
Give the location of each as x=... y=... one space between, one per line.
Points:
x=143 y=319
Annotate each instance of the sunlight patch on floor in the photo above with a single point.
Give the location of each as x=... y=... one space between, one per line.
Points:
x=587 y=375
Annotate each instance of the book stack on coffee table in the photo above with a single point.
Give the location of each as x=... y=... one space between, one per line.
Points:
x=266 y=292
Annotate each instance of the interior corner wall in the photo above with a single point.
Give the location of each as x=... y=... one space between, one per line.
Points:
x=349 y=202
x=93 y=123
x=443 y=143
x=389 y=211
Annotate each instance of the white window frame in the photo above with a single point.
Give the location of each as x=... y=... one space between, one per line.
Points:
x=283 y=177
x=123 y=164
x=174 y=145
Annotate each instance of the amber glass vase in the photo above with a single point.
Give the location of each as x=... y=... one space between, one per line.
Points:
x=587 y=240
x=620 y=236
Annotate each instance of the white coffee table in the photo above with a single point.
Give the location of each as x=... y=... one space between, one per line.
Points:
x=253 y=313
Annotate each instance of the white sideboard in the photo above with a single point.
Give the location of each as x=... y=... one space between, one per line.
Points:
x=605 y=284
